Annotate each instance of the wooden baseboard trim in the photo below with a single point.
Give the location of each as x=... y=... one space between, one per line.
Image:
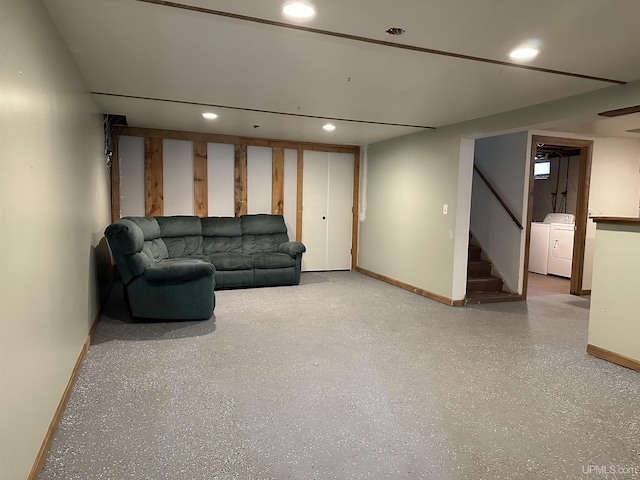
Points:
x=411 y=288
x=605 y=354
x=57 y=416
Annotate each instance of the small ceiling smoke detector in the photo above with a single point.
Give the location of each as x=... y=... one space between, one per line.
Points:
x=394 y=31
x=210 y=116
x=298 y=10
x=329 y=127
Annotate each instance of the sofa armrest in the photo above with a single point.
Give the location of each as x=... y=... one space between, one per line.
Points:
x=292 y=248
x=178 y=272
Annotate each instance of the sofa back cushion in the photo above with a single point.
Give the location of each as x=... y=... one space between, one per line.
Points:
x=263 y=233
x=136 y=244
x=182 y=235
x=221 y=235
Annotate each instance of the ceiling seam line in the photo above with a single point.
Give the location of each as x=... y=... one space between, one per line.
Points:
x=271 y=112
x=374 y=41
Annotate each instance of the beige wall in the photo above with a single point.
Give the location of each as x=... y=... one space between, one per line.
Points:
x=404 y=234
x=613 y=318
x=54 y=206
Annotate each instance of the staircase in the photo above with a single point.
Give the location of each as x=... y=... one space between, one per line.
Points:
x=482 y=287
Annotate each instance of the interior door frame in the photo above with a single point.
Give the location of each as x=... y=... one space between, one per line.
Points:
x=582 y=208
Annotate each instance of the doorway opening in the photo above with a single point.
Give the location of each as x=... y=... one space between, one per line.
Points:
x=557 y=215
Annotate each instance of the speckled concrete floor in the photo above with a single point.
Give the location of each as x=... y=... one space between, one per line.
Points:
x=346 y=377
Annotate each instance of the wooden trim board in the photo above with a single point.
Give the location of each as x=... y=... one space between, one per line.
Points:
x=610 y=356
x=411 y=288
x=231 y=139
x=240 y=180
x=153 y=177
x=200 y=180
x=277 y=180
x=62 y=405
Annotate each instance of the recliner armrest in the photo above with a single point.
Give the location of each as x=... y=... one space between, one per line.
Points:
x=292 y=248
x=178 y=272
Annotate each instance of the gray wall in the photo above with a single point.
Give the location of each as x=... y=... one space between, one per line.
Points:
x=54 y=206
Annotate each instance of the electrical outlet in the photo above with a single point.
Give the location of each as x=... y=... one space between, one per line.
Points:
x=445 y=209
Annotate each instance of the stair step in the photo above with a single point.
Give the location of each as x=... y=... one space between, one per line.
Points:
x=484 y=284
x=474 y=253
x=478 y=268
x=492 y=297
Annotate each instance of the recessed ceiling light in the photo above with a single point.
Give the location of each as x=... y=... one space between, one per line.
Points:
x=298 y=10
x=329 y=127
x=210 y=116
x=524 y=53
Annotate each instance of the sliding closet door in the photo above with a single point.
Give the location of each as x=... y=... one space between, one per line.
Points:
x=327 y=202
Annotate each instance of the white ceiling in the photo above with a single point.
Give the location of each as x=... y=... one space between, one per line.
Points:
x=179 y=63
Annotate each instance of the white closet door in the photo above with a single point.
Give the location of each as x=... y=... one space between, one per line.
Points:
x=315 y=177
x=339 y=211
x=327 y=201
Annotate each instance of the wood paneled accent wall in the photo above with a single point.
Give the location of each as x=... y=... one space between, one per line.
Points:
x=153 y=172
x=277 y=189
x=240 y=179
x=200 y=178
x=153 y=176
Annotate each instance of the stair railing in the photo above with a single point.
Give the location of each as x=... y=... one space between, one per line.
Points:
x=498 y=197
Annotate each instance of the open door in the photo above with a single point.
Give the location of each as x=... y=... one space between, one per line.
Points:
x=582 y=204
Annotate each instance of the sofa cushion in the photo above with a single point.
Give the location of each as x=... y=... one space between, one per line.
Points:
x=263 y=243
x=231 y=261
x=212 y=245
x=273 y=260
x=185 y=270
x=125 y=237
x=148 y=225
x=156 y=250
x=263 y=224
x=221 y=227
x=292 y=248
x=179 y=226
x=183 y=246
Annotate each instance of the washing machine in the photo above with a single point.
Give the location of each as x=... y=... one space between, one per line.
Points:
x=539 y=248
x=551 y=245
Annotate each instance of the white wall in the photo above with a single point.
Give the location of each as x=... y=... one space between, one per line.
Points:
x=503 y=160
x=405 y=235
x=177 y=177
x=54 y=206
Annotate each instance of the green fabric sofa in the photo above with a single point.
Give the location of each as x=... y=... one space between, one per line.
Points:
x=170 y=266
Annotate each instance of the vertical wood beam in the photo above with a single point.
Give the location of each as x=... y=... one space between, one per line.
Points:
x=200 y=180
x=356 y=208
x=240 y=179
x=277 y=187
x=299 y=195
x=115 y=180
x=153 y=177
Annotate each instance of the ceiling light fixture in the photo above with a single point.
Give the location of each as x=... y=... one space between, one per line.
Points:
x=524 y=53
x=329 y=127
x=210 y=116
x=298 y=10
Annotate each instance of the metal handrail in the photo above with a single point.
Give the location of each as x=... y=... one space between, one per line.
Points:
x=498 y=197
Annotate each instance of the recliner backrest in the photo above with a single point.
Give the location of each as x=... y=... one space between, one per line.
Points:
x=263 y=233
x=182 y=235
